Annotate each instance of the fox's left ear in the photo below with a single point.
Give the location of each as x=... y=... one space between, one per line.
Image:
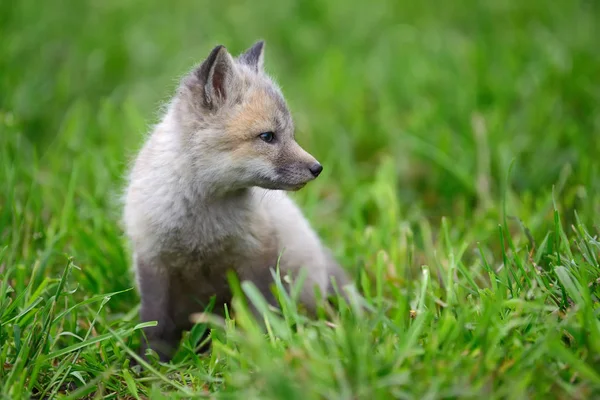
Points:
x=216 y=77
x=254 y=56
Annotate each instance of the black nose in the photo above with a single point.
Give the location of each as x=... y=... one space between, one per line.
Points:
x=316 y=169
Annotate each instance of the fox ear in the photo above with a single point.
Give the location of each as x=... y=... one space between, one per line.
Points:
x=254 y=56
x=216 y=76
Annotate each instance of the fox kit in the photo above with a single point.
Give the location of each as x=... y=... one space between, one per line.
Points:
x=206 y=195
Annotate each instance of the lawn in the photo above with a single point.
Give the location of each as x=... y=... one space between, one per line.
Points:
x=461 y=189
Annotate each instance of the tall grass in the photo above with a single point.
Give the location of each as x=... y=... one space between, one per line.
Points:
x=461 y=189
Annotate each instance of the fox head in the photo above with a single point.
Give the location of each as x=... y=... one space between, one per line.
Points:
x=237 y=127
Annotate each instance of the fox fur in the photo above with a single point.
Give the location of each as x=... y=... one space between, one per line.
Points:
x=207 y=194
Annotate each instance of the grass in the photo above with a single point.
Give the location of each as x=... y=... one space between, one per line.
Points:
x=461 y=188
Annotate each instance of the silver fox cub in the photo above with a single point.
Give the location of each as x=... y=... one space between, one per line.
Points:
x=206 y=195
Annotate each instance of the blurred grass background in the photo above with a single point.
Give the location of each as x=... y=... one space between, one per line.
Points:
x=416 y=110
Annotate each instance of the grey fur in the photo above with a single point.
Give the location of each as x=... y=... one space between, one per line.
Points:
x=254 y=56
x=206 y=195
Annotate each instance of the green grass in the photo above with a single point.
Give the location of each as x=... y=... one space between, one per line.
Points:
x=461 y=145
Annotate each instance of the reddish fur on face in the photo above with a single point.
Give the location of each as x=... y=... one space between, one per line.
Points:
x=254 y=116
x=262 y=112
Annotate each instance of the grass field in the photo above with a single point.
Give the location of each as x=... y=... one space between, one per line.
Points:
x=461 y=145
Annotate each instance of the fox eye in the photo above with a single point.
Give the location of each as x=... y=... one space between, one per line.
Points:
x=267 y=136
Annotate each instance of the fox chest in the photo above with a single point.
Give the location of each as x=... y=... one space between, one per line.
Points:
x=208 y=262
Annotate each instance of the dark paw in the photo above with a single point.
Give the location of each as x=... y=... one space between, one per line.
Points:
x=156 y=350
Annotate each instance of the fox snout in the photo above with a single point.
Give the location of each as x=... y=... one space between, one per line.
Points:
x=296 y=167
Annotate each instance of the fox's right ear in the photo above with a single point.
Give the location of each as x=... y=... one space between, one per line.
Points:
x=254 y=56
x=216 y=76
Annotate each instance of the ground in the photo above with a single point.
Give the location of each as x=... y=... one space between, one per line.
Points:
x=461 y=189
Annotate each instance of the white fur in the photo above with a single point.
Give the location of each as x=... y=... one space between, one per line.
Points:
x=193 y=200
x=165 y=195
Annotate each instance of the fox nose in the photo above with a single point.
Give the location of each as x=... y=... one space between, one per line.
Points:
x=316 y=169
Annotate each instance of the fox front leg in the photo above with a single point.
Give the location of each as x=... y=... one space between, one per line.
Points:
x=156 y=297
